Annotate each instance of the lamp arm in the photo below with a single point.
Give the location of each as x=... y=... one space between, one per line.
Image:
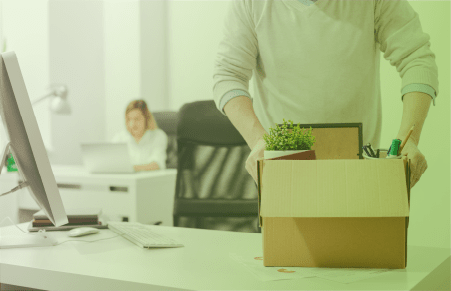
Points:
x=52 y=93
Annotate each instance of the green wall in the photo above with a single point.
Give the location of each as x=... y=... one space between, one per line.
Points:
x=430 y=198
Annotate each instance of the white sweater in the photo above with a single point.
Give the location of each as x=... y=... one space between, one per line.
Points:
x=320 y=63
x=151 y=148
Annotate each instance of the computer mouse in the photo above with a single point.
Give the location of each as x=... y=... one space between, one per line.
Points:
x=80 y=231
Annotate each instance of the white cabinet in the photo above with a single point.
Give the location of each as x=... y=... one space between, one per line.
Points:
x=8 y=203
x=144 y=197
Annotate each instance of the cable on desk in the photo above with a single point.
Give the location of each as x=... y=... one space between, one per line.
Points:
x=13 y=224
x=40 y=232
x=87 y=240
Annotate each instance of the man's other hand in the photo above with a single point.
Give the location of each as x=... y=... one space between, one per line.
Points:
x=256 y=153
x=418 y=162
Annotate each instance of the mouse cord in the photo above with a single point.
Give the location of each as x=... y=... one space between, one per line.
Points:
x=12 y=222
x=88 y=240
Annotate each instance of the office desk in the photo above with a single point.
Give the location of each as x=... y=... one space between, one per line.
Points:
x=203 y=263
x=143 y=196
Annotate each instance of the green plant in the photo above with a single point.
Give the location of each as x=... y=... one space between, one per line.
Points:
x=281 y=138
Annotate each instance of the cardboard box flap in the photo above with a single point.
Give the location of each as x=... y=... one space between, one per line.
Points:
x=260 y=165
x=334 y=188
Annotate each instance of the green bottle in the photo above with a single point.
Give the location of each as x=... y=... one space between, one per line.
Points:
x=11 y=164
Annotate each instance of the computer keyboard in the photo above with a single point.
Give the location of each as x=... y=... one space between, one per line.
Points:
x=142 y=235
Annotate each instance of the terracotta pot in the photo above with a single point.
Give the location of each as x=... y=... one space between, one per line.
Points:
x=276 y=154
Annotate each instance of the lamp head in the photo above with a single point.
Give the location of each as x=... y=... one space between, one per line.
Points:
x=59 y=103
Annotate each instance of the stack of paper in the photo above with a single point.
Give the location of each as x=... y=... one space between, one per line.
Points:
x=87 y=217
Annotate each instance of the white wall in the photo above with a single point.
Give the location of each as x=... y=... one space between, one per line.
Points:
x=24 y=25
x=430 y=197
x=122 y=70
x=195 y=30
x=77 y=59
x=135 y=58
x=108 y=53
x=154 y=56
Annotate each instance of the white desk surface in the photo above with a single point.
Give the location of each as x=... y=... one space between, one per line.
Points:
x=203 y=263
x=81 y=172
x=76 y=171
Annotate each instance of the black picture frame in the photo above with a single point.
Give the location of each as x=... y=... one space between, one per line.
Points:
x=359 y=126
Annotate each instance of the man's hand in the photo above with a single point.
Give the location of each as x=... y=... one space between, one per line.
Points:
x=241 y=113
x=256 y=153
x=418 y=162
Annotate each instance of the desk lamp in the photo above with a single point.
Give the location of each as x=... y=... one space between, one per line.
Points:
x=58 y=103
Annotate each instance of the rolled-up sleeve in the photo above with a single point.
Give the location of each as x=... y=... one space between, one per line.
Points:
x=398 y=30
x=419 y=88
x=229 y=96
x=237 y=54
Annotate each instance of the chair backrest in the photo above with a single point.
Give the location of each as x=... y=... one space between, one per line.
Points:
x=213 y=188
x=167 y=121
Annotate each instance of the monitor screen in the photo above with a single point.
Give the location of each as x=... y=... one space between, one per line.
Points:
x=26 y=144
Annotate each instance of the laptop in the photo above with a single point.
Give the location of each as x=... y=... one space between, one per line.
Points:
x=111 y=158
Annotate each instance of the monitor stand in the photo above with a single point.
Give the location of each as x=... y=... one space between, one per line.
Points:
x=22 y=240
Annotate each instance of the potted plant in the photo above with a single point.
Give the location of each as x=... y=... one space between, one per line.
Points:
x=285 y=140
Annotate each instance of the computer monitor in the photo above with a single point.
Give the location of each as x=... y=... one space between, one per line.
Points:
x=25 y=141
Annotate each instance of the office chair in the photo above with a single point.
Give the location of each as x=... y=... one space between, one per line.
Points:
x=213 y=188
x=167 y=121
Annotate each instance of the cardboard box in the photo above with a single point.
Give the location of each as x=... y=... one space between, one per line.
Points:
x=334 y=213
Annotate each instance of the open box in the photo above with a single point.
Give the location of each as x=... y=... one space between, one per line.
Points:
x=348 y=213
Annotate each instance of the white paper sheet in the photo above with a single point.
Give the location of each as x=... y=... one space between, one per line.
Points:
x=340 y=275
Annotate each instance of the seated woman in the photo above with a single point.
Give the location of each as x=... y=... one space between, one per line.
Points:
x=146 y=142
